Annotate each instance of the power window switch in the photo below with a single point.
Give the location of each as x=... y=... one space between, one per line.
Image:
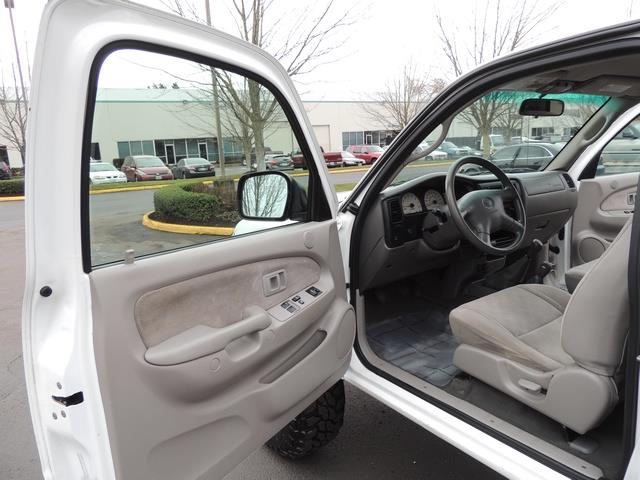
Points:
x=313 y=291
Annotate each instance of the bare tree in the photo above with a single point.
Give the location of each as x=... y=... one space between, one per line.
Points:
x=300 y=50
x=496 y=28
x=13 y=114
x=509 y=121
x=403 y=98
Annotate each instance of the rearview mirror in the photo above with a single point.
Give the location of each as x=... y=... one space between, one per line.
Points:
x=264 y=196
x=541 y=107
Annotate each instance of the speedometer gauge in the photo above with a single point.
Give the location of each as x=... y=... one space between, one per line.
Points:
x=433 y=199
x=411 y=204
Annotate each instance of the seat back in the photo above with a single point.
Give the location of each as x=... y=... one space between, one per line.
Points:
x=596 y=321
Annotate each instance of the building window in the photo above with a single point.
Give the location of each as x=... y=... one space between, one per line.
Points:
x=136 y=147
x=367 y=137
x=171 y=151
x=541 y=131
x=147 y=147
x=95 y=151
x=123 y=149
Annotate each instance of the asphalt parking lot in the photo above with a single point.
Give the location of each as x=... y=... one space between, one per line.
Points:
x=375 y=442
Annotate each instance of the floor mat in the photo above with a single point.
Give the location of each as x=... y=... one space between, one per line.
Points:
x=420 y=343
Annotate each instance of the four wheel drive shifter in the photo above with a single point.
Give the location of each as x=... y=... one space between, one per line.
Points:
x=537 y=270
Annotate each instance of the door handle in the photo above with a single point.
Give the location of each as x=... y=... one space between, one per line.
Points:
x=202 y=340
x=274 y=282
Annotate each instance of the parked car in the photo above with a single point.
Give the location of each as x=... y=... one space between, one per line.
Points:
x=529 y=156
x=515 y=140
x=466 y=150
x=436 y=154
x=193 y=167
x=332 y=159
x=279 y=162
x=622 y=154
x=5 y=171
x=350 y=160
x=140 y=168
x=452 y=150
x=368 y=153
x=103 y=172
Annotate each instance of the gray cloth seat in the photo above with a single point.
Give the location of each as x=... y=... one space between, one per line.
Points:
x=556 y=352
x=574 y=275
x=521 y=323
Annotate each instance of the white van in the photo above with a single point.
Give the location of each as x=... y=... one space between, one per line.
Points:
x=495 y=142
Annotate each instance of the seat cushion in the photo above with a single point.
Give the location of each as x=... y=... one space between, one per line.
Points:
x=522 y=323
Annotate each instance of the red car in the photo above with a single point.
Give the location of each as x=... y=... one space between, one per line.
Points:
x=332 y=159
x=368 y=153
x=140 y=168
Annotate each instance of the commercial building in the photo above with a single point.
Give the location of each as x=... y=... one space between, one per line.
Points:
x=172 y=124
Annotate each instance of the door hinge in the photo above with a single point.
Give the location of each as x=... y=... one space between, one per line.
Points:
x=74 y=399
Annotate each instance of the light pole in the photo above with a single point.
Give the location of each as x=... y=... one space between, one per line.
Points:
x=216 y=103
x=9 y=5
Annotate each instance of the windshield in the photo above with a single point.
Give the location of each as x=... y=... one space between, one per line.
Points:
x=347 y=155
x=492 y=128
x=373 y=148
x=142 y=162
x=101 y=167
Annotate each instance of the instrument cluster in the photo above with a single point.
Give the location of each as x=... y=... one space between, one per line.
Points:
x=412 y=203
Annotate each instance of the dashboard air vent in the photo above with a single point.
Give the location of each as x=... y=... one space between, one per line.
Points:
x=569 y=180
x=395 y=210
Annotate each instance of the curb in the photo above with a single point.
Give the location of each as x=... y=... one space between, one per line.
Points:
x=133 y=189
x=187 y=229
x=11 y=199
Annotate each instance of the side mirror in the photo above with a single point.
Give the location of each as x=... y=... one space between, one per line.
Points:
x=264 y=196
x=541 y=107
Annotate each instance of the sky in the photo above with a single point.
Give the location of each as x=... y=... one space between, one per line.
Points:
x=385 y=36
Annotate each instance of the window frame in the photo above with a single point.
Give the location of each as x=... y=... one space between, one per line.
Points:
x=318 y=208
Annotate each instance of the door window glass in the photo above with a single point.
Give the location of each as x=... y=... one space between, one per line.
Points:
x=156 y=213
x=622 y=153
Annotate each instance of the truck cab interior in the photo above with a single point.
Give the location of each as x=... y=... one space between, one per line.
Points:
x=500 y=291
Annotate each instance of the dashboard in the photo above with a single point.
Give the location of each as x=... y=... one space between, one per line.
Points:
x=409 y=229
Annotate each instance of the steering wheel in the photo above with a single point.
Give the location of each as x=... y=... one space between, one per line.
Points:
x=480 y=213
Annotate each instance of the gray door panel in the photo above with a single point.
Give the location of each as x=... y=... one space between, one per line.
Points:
x=604 y=206
x=217 y=365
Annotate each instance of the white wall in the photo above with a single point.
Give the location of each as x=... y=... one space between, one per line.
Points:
x=125 y=115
